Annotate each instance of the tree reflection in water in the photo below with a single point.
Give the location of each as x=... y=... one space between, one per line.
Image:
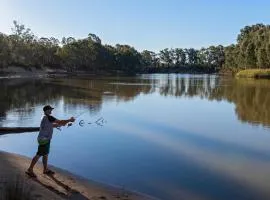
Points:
x=251 y=97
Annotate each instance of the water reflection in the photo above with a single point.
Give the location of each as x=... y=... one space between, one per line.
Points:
x=251 y=97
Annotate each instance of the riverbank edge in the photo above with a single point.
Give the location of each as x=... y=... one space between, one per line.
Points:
x=14 y=164
x=32 y=72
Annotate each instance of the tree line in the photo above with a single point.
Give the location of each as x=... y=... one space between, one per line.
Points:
x=23 y=48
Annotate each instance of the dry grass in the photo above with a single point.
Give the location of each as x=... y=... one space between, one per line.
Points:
x=16 y=189
x=254 y=73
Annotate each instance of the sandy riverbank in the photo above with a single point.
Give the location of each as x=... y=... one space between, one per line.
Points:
x=32 y=72
x=63 y=185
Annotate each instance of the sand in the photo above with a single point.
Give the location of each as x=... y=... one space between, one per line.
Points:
x=62 y=185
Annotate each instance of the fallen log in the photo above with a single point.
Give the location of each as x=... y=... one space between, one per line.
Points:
x=7 y=130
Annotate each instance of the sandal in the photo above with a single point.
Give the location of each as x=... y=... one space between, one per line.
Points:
x=31 y=174
x=49 y=172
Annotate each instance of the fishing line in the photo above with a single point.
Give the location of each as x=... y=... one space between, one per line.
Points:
x=100 y=121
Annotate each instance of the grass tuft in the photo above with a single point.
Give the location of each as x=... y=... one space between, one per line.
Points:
x=254 y=73
x=16 y=189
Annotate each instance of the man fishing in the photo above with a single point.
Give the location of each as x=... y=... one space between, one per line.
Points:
x=47 y=124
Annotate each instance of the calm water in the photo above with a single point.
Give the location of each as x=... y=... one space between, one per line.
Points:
x=170 y=136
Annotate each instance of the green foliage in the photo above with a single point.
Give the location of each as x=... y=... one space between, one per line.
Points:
x=149 y=58
x=209 y=58
x=180 y=57
x=127 y=58
x=23 y=48
x=192 y=56
x=252 y=50
x=166 y=57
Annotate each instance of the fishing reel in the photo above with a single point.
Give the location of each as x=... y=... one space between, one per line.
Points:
x=81 y=123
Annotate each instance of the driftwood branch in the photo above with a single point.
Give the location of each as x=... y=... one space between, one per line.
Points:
x=7 y=130
x=10 y=130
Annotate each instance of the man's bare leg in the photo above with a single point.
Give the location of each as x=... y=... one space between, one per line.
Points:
x=45 y=163
x=33 y=163
x=45 y=166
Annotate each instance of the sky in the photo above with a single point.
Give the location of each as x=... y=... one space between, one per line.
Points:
x=143 y=24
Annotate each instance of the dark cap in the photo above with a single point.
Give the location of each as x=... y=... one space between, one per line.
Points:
x=48 y=107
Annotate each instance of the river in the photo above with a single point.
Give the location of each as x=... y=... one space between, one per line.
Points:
x=171 y=136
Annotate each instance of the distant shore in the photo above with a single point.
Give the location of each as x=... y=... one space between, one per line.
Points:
x=62 y=185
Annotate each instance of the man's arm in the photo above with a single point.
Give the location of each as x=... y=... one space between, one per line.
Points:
x=58 y=123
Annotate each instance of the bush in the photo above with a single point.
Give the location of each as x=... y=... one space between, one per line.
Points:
x=254 y=73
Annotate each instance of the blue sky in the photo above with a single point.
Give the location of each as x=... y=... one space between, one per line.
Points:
x=144 y=24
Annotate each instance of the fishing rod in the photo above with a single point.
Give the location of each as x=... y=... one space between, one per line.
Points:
x=80 y=114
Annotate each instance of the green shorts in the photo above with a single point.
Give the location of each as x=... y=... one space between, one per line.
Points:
x=43 y=148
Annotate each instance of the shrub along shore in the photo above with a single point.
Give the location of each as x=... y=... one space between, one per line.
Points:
x=254 y=73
